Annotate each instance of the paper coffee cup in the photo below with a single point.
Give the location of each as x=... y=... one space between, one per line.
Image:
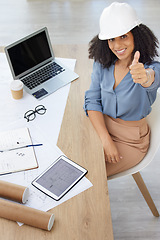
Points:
x=17 y=89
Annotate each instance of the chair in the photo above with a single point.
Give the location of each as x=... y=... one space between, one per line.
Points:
x=153 y=120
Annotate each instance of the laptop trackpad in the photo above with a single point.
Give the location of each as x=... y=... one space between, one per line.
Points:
x=53 y=84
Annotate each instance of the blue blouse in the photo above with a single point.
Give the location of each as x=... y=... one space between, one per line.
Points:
x=128 y=101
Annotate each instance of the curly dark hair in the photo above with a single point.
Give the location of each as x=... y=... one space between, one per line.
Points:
x=144 y=41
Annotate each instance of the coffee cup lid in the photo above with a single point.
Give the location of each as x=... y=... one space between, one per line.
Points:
x=16 y=85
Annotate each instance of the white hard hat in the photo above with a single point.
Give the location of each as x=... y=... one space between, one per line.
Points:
x=117 y=20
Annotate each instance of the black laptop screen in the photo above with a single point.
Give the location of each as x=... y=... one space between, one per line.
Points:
x=29 y=53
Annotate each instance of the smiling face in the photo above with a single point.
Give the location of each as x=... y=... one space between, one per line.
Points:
x=122 y=46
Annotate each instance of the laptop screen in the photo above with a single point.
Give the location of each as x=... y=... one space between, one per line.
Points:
x=29 y=53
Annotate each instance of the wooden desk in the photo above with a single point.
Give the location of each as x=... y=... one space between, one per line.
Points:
x=86 y=216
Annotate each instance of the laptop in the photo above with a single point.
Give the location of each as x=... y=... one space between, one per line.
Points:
x=31 y=60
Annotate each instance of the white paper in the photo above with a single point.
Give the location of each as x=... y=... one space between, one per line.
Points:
x=12 y=110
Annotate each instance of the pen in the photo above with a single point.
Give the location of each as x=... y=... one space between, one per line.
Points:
x=32 y=145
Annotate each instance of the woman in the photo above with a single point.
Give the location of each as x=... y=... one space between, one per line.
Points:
x=124 y=85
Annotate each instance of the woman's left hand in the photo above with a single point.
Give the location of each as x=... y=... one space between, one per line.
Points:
x=137 y=70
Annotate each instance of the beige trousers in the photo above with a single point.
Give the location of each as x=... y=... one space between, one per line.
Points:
x=132 y=141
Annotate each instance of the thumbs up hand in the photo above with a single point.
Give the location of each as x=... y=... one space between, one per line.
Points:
x=136 y=58
x=137 y=70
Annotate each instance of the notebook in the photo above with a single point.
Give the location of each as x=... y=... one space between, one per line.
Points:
x=14 y=154
x=32 y=60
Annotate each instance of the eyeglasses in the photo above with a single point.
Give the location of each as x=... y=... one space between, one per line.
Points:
x=31 y=114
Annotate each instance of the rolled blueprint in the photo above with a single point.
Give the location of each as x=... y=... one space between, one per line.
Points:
x=14 y=192
x=30 y=216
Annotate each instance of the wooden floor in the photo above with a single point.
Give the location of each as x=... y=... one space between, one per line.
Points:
x=76 y=21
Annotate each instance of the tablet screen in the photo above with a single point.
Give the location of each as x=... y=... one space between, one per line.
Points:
x=59 y=177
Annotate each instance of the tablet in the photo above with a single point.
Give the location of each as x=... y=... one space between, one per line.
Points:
x=59 y=178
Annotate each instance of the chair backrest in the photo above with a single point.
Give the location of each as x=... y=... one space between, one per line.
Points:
x=153 y=120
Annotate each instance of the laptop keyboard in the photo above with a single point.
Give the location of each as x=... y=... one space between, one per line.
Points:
x=42 y=75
